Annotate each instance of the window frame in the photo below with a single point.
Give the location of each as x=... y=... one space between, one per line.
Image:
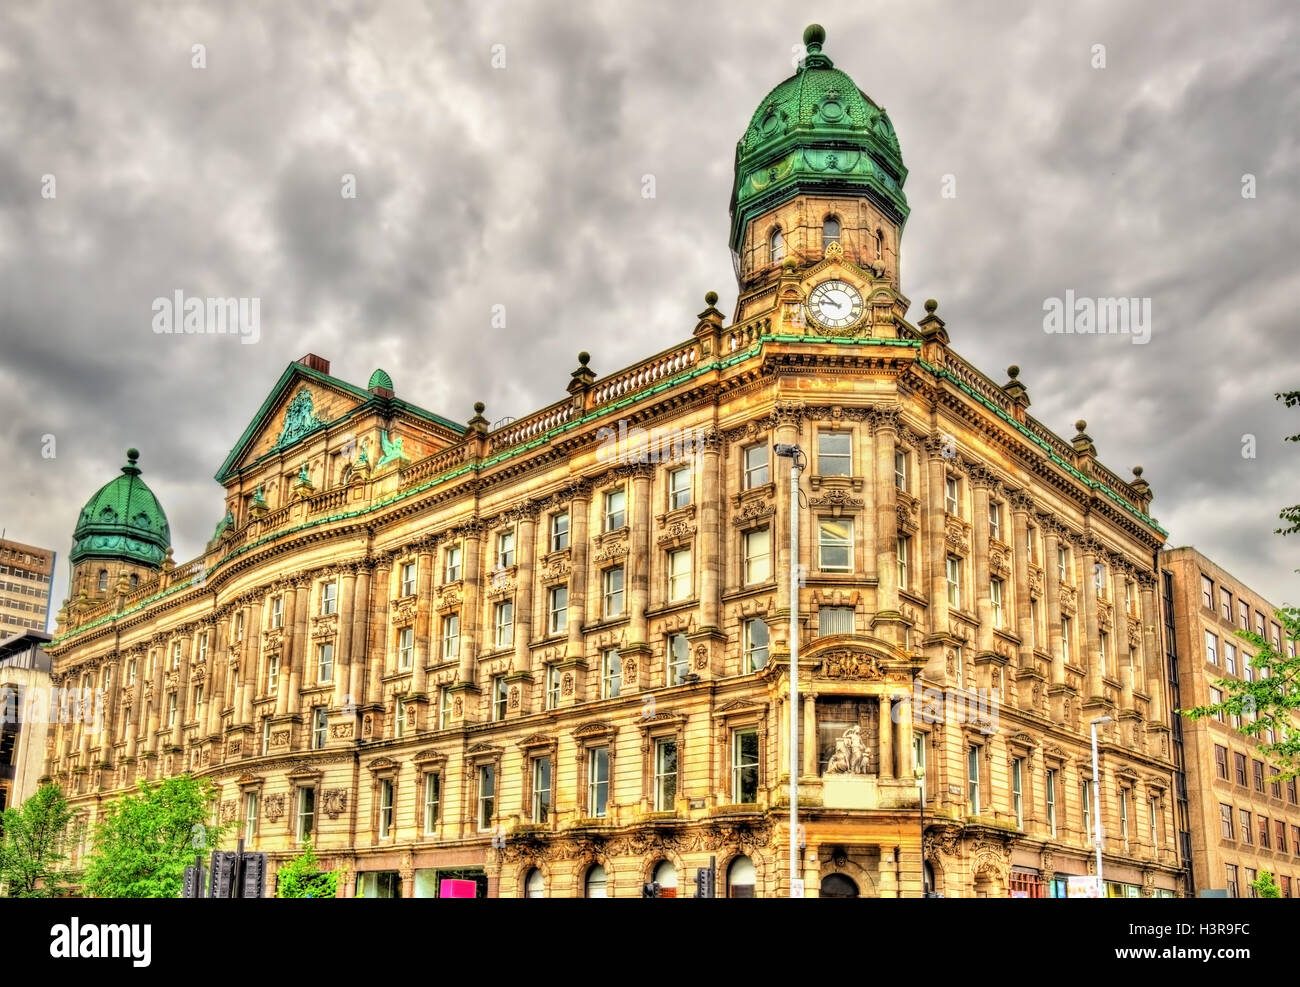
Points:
x=835 y=458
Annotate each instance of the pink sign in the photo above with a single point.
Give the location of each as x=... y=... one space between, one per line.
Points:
x=451 y=888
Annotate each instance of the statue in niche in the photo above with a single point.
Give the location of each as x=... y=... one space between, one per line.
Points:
x=850 y=757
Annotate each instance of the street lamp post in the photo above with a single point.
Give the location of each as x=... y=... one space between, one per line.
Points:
x=797 y=463
x=920 y=794
x=1096 y=797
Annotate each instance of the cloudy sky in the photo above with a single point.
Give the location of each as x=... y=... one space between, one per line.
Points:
x=520 y=185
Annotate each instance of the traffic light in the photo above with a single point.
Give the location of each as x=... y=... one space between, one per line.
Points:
x=705 y=883
x=650 y=889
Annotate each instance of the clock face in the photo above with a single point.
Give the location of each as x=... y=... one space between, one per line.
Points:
x=835 y=304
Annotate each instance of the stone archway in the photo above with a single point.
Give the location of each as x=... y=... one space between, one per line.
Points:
x=837 y=885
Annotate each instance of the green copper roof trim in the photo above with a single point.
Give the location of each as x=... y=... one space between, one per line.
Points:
x=719 y=364
x=277 y=391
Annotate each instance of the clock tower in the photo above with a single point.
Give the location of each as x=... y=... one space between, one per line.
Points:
x=817 y=208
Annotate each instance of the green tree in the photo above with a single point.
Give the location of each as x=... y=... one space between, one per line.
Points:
x=1291 y=515
x=301 y=878
x=144 y=841
x=1265 y=886
x=32 y=845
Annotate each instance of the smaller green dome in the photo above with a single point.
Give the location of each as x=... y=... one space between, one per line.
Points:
x=380 y=379
x=123 y=521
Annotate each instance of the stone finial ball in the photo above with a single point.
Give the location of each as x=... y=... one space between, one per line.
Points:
x=1013 y=371
x=710 y=298
x=1081 y=424
x=789 y=263
x=584 y=357
x=930 y=305
x=1137 y=470
x=133 y=454
x=478 y=407
x=814 y=34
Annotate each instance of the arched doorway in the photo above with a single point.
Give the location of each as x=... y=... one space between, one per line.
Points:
x=665 y=875
x=595 y=884
x=740 y=878
x=535 y=884
x=838 y=886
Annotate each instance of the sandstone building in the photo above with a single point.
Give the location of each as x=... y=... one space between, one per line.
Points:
x=552 y=656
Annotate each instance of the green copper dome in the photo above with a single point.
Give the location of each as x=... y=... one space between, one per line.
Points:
x=123 y=521
x=816 y=132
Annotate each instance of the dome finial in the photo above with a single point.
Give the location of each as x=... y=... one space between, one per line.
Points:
x=813 y=36
x=131 y=469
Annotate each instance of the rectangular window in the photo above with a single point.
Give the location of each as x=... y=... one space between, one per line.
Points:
x=1221 y=761
x=1153 y=811
x=1062 y=563
x=171 y=709
x=132 y=669
x=1264 y=839
x=319 y=728
x=203 y=646
x=755 y=467
x=834 y=454
x=552 y=686
x=1239 y=764
x=1257 y=769
x=1225 y=604
x=559 y=531
x=952 y=495
x=954 y=582
x=1211 y=648
x=408 y=579
x=612 y=580
x=239 y=626
x=1031 y=543
x=176 y=654
x=900 y=469
x=432 y=795
x=1279 y=827
x=503 y=624
x=756 y=644
x=505 y=549
x=558 y=609
x=451 y=564
x=277 y=612
x=1035 y=637
x=835 y=544
x=306 y=813
x=1067 y=643
x=1085 y=806
x=324 y=661
x=487 y=791
x=1103 y=647
x=1230 y=657
x=198 y=699
x=1050 y=782
x=385 y=808
x=904 y=556
x=266 y=735
x=918 y=759
x=1291 y=791
x=834 y=620
x=1207 y=592
x=995 y=601
x=1295 y=840
x=973 y=778
x=450 y=636
x=499 y=694
x=405 y=647
x=995 y=520
x=1123 y=813
x=744 y=767
x=597 y=781
x=250 y=816
x=1216 y=697
x=328 y=597
x=758 y=555
x=1243 y=615
x=400 y=718
x=679 y=488
x=444 y=708
x=1017 y=790
x=1225 y=821
x=665 y=775
x=1231 y=872
x=679 y=659
x=611 y=674
x=679 y=574
x=1250 y=883
x=615 y=509
x=541 y=789
x=1247 y=830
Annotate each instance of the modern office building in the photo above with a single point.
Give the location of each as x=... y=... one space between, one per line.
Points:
x=24 y=714
x=25 y=574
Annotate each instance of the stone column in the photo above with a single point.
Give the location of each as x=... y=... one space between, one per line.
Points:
x=1151 y=655
x=808 y=742
x=787 y=432
x=423 y=616
x=302 y=645
x=886 y=497
x=343 y=637
x=1052 y=599
x=639 y=554
x=380 y=633
x=249 y=664
x=288 y=641
x=525 y=566
x=936 y=532
x=903 y=736
x=218 y=675
x=1021 y=505
x=358 y=629
x=886 y=883
x=471 y=619
x=711 y=542
x=982 y=482
x=1090 y=640
x=182 y=692
x=579 y=547
x=886 y=731
x=1119 y=637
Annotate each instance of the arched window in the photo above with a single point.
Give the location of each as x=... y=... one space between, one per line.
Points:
x=838 y=886
x=135 y=581
x=666 y=877
x=880 y=244
x=103 y=580
x=740 y=878
x=830 y=231
x=596 y=882
x=776 y=246
x=535 y=884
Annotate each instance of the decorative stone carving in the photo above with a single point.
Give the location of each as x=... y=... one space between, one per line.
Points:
x=334 y=802
x=678 y=530
x=341 y=731
x=1069 y=598
x=566 y=684
x=513 y=699
x=228 y=811
x=280 y=739
x=273 y=807
x=753 y=511
x=851 y=756
x=837 y=497
x=847 y=664
x=556 y=567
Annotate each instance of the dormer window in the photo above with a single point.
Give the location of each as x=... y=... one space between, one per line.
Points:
x=830 y=231
x=776 y=246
